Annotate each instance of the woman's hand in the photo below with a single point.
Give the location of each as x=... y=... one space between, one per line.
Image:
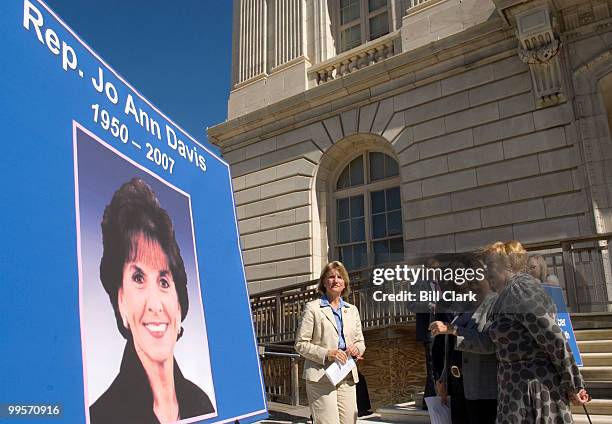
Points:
x=353 y=351
x=337 y=355
x=439 y=327
x=579 y=398
x=442 y=392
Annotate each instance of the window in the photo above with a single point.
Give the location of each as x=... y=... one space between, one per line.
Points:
x=368 y=212
x=361 y=21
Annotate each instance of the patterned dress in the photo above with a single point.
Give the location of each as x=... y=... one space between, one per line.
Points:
x=536 y=367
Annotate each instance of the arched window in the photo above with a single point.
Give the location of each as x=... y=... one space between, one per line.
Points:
x=368 y=212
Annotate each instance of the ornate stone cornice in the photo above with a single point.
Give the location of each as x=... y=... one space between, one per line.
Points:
x=540 y=55
x=539 y=45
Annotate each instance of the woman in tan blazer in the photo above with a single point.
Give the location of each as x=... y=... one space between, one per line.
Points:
x=330 y=330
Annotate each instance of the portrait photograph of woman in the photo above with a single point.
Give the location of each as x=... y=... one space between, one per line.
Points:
x=144 y=338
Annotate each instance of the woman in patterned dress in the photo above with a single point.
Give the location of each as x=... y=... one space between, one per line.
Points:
x=537 y=375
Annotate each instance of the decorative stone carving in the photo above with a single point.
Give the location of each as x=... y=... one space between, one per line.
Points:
x=539 y=46
x=585 y=18
x=365 y=55
x=540 y=55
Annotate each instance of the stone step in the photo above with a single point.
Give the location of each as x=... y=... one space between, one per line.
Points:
x=596 y=373
x=595 y=407
x=595 y=346
x=600 y=389
x=403 y=413
x=596 y=359
x=597 y=334
x=595 y=419
x=407 y=413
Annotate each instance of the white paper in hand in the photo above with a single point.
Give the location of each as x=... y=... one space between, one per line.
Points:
x=336 y=372
x=438 y=413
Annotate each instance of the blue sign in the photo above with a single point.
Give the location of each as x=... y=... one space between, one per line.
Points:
x=563 y=320
x=124 y=297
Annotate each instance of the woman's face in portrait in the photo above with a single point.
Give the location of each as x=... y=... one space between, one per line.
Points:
x=334 y=283
x=148 y=301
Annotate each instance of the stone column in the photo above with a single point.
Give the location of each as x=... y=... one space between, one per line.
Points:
x=250 y=42
x=288 y=25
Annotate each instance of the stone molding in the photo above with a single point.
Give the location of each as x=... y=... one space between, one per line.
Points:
x=539 y=47
x=585 y=18
x=593 y=128
x=540 y=55
x=327 y=99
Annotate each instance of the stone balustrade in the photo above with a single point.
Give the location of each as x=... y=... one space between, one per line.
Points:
x=357 y=58
x=414 y=3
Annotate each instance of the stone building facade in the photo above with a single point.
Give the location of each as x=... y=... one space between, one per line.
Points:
x=472 y=121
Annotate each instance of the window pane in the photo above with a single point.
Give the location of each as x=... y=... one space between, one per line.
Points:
x=349 y=10
x=343 y=209
x=379 y=26
x=393 y=199
x=360 y=255
x=356 y=206
x=357 y=171
x=397 y=245
x=378 y=201
x=358 y=229
x=350 y=37
x=381 y=252
x=376 y=4
x=343 y=232
x=377 y=166
x=379 y=226
x=391 y=167
x=394 y=222
x=344 y=179
x=346 y=256
x=396 y=250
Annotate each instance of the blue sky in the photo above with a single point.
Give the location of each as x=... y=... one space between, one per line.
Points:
x=176 y=53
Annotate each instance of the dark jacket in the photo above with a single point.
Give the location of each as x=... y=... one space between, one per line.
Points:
x=479 y=369
x=129 y=399
x=424 y=311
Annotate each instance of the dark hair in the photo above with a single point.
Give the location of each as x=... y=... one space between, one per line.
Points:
x=133 y=210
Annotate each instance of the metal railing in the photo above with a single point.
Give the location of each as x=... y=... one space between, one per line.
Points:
x=582 y=266
x=281 y=374
x=276 y=313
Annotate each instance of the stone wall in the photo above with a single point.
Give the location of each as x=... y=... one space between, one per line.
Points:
x=482 y=157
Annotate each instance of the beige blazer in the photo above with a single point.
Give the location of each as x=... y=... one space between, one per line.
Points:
x=317 y=333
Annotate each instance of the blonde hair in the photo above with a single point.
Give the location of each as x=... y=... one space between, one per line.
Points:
x=510 y=254
x=542 y=266
x=338 y=266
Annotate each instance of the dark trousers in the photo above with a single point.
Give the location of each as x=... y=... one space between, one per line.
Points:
x=363 y=397
x=458 y=406
x=430 y=388
x=482 y=411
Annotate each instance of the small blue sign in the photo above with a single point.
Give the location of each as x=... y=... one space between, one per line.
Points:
x=563 y=320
